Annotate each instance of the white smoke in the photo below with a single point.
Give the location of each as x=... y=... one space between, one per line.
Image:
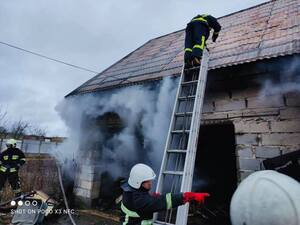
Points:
x=272 y=88
x=156 y=126
x=146 y=107
x=289 y=80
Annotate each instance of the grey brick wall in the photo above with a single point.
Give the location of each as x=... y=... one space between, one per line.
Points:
x=265 y=127
x=87 y=185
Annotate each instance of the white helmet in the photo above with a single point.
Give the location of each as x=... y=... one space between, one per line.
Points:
x=140 y=173
x=11 y=142
x=266 y=198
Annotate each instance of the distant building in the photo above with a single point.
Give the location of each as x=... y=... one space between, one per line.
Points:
x=34 y=143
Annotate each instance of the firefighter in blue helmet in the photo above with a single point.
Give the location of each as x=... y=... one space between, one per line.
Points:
x=10 y=162
x=138 y=205
x=196 y=33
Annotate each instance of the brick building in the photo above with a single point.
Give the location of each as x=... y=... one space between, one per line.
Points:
x=252 y=102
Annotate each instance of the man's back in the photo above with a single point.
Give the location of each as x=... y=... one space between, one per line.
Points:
x=12 y=157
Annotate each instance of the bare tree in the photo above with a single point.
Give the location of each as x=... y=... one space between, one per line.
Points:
x=38 y=131
x=19 y=129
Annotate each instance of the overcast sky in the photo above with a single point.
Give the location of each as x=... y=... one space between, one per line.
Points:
x=89 y=33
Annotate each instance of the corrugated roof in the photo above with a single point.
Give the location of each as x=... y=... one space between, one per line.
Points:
x=268 y=30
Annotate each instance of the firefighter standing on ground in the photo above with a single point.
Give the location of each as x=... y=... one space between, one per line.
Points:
x=10 y=162
x=196 y=34
x=138 y=205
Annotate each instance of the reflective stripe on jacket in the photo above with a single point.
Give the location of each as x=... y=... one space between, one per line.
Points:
x=138 y=205
x=210 y=21
x=11 y=159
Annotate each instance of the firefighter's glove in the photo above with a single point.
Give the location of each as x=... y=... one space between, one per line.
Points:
x=196 y=61
x=214 y=37
x=155 y=194
x=193 y=196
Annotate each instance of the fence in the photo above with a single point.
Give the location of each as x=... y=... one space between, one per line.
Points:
x=33 y=146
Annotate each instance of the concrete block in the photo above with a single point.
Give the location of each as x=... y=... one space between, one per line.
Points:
x=229 y=105
x=235 y=114
x=87 y=169
x=288 y=149
x=290 y=113
x=244 y=174
x=285 y=126
x=281 y=139
x=90 y=176
x=249 y=164
x=87 y=193
x=90 y=169
x=267 y=152
x=293 y=99
x=265 y=102
x=86 y=176
x=78 y=191
x=260 y=112
x=251 y=127
x=85 y=184
x=214 y=116
x=89 y=185
x=246 y=139
x=244 y=152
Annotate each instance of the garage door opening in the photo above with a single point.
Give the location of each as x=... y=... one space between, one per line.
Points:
x=215 y=173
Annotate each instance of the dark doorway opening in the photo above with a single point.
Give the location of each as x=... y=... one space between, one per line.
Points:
x=215 y=173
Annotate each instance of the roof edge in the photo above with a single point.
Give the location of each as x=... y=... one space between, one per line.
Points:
x=178 y=74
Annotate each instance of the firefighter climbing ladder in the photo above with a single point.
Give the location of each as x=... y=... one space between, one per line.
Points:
x=177 y=168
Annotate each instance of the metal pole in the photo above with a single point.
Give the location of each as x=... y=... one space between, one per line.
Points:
x=40 y=145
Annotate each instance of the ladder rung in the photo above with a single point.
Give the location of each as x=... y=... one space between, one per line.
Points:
x=180 y=131
x=186 y=97
x=157 y=222
x=179 y=173
x=193 y=68
x=189 y=82
x=184 y=113
x=176 y=151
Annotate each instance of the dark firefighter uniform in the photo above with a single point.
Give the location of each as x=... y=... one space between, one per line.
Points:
x=138 y=205
x=10 y=162
x=196 y=34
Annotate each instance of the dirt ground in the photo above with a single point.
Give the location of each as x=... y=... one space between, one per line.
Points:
x=80 y=220
x=64 y=220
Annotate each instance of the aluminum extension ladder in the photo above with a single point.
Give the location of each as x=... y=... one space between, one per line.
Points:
x=177 y=168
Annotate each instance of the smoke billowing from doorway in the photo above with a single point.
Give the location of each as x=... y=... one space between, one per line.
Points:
x=145 y=112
